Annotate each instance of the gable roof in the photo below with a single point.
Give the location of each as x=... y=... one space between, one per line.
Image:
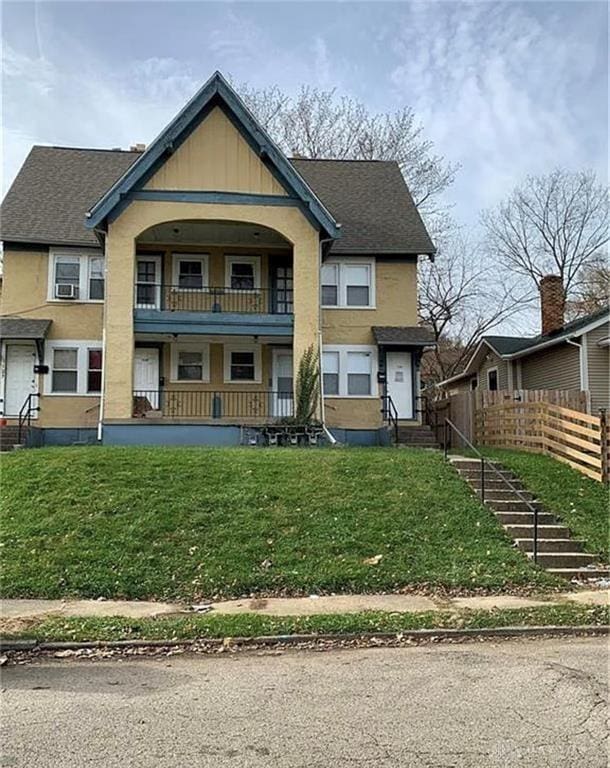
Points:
x=511 y=347
x=215 y=92
x=371 y=200
x=56 y=186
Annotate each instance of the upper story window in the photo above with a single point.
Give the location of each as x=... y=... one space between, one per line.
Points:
x=190 y=270
x=242 y=273
x=76 y=276
x=349 y=284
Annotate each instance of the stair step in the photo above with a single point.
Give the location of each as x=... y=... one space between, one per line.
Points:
x=565 y=559
x=504 y=494
x=517 y=531
x=526 y=518
x=596 y=572
x=499 y=506
x=551 y=545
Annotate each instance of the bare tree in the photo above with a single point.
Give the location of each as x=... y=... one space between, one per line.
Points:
x=592 y=292
x=461 y=298
x=321 y=124
x=554 y=224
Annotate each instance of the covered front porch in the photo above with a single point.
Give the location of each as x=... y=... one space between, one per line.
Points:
x=212 y=380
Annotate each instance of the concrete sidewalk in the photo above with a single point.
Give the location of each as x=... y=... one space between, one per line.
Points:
x=11 y=610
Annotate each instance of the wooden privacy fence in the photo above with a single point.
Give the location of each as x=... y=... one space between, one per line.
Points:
x=576 y=438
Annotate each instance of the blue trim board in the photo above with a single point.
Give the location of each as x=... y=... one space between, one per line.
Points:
x=225 y=323
x=57 y=436
x=170 y=434
x=215 y=92
x=361 y=437
x=227 y=198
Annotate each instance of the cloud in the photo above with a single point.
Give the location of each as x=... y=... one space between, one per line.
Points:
x=494 y=85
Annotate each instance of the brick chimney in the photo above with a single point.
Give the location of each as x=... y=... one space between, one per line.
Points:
x=552 y=303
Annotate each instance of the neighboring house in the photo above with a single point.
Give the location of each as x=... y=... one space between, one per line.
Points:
x=167 y=295
x=564 y=356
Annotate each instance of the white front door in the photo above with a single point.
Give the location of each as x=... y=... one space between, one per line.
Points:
x=19 y=376
x=399 y=375
x=282 y=383
x=146 y=375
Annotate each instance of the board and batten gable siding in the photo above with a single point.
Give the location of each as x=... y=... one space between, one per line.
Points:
x=555 y=368
x=215 y=157
x=598 y=359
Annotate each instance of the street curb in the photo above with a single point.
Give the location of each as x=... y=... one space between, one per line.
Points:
x=33 y=646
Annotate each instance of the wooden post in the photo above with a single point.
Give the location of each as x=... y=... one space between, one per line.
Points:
x=604 y=444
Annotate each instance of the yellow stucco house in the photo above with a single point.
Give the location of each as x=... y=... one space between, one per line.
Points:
x=165 y=295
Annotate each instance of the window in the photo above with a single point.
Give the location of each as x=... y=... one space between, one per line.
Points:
x=67 y=277
x=492 y=379
x=474 y=383
x=75 y=276
x=65 y=370
x=190 y=365
x=357 y=285
x=190 y=273
x=76 y=368
x=348 y=284
x=243 y=273
x=94 y=370
x=147 y=282
x=96 y=278
x=330 y=373
x=330 y=285
x=358 y=373
x=349 y=371
x=242 y=364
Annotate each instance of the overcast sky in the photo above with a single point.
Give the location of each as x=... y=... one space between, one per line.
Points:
x=504 y=89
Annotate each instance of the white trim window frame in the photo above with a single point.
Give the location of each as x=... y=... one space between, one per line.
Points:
x=493 y=370
x=229 y=364
x=85 y=258
x=203 y=259
x=145 y=288
x=252 y=261
x=350 y=357
x=81 y=349
x=190 y=348
x=337 y=273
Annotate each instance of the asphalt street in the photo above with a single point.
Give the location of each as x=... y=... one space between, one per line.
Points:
x=517 y=703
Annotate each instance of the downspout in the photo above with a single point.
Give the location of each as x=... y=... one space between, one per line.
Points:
x=325 y=429
x=582 y=362
x=100 y=417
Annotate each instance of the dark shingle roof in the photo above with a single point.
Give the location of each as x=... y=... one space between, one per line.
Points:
x=410 y=334
x=23 y=328
x=372 y=203
x=510 y=345
x=54 y=189
x=57 y=186
x=506 y=345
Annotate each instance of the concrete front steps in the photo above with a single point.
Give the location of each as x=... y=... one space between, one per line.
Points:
x=416 y=436
x=558 y=552
x=9 y=437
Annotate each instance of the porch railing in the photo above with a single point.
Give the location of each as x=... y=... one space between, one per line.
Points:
x=267 y=405
x=213 y=299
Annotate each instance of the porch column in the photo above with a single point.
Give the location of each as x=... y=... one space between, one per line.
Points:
x=118 y=326
x=306 y=301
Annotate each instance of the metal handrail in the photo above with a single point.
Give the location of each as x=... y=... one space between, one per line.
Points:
x=532 y=508
x=213 y=298
x=390 y=413
x=214 y=403
x=25 y=413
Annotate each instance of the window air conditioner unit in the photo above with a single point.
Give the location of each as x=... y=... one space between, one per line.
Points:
x=66 y=291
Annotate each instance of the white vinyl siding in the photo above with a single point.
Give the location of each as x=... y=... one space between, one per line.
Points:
x=557 y=367
x=598 y=359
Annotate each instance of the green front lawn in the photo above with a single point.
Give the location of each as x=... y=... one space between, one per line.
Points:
x=251 y=625
x=187 y=523
x=581 y=503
